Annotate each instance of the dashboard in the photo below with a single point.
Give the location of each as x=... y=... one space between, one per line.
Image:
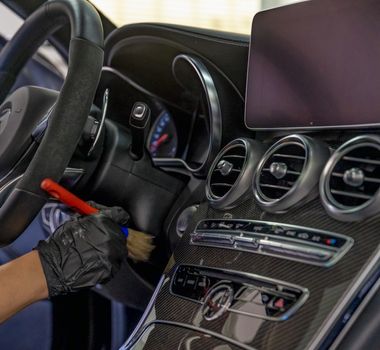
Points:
x=267 y=224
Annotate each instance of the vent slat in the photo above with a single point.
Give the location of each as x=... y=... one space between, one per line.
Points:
x=285 y=188
x=351 y=194
x=221 y=184
x=291 y=156
x=233 y=156
x=291 y=172
x=232 y=170
x=366 y=178
x=337 y=174
x=362 y=160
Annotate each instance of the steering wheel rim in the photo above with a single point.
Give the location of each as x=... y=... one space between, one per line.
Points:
x=70 y=111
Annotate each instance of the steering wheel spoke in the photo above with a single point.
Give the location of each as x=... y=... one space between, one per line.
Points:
x=23 y=166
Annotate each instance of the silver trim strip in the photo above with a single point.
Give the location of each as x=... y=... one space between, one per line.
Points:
x=146 y=313
x=68 y=171
x=189 y=327
x=346 y=299
x=355 y=315
x=304 y=251
x=213 y=107
x=10 y=183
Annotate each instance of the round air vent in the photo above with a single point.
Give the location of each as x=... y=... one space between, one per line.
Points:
x=350 y=182
x=230 y=176
x=289 y=172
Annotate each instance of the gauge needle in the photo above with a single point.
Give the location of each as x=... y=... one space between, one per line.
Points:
x=161 y=140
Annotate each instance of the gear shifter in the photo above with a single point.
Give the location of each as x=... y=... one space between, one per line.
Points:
x=139 y=122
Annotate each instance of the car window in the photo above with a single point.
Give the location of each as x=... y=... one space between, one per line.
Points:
x=47 y=54
x=228 y=15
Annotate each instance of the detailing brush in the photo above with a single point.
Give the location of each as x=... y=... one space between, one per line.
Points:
x=139 y=244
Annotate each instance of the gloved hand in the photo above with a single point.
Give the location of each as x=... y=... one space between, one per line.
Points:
x=84 y=251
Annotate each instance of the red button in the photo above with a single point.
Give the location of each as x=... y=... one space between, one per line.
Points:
x=279 y=303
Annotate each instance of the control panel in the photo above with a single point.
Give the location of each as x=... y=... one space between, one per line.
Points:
x=219 y=291
x=285 y=241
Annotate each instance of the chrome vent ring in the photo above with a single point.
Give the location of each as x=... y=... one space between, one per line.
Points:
x=231 y=173
x=350 y=182
x=289 y=172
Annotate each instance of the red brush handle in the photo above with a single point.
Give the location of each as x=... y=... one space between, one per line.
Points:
x=66 y=197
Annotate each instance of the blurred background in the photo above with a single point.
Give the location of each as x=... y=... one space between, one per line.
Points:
x=228 y=15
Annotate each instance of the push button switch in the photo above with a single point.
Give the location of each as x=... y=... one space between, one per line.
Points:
x=219 y=292
x=191 y=281
x=180 y=280
x=279 y=304
x=203 y=282
x=265 y=298
x=307 y=245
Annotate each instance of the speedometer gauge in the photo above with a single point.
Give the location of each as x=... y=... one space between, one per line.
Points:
x=163 y=139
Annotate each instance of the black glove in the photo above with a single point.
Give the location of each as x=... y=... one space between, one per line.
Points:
x=84 y=251
x=117 y=214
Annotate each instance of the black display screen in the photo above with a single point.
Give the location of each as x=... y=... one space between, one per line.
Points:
x=315 y=64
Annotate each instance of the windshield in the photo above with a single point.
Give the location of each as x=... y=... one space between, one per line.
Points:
x=227 y=15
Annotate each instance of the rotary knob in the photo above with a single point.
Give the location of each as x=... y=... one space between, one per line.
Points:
x=217 y=301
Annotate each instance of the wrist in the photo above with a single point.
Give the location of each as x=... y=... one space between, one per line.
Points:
x=38 y=281
x=22 y=282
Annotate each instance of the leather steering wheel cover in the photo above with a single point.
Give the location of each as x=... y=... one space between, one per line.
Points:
x=70 y=112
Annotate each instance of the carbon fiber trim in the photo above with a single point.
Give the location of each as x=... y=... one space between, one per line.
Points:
x=327 y=286
x=161 y=335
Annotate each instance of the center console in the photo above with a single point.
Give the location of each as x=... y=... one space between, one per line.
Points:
x=245 y=277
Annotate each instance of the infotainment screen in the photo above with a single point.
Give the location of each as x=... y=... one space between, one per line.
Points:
x=315 y=64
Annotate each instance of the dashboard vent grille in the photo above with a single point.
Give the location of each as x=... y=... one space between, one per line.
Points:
x=351 y=180
x=289 y=172
x=281 y=170
x=227 y=170
x=356 y=177
x=231 y=173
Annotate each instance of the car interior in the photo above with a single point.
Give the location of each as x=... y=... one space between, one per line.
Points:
x=253 y=161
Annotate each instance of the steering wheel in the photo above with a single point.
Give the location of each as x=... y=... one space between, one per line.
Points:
x=66 y=118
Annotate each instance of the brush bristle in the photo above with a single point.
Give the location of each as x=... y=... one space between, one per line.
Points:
x=140 y=245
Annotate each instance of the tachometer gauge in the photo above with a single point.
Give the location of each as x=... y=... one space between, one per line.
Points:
x=163 y=139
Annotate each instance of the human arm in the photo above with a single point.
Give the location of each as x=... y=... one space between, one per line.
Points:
x=22 y=282
x=81 y=253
